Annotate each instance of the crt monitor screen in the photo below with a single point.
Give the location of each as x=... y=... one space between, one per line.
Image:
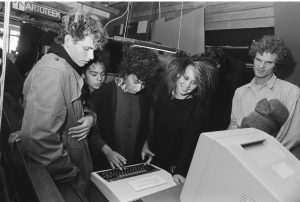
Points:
x=241 y=165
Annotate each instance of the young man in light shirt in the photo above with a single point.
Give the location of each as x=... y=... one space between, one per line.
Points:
x=267 y=52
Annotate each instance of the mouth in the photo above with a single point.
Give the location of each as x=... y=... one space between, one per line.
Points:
x=260 y=70
x=184 y=89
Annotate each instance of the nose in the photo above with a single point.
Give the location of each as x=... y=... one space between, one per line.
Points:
x=99 y=77
x=188 y=84
x=91 y=54
x=261 y=64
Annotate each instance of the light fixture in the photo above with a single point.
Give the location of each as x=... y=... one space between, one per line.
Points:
x=144 y=44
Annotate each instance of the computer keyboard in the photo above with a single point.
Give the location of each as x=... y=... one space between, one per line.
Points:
x=127 y=171
x=132 y=182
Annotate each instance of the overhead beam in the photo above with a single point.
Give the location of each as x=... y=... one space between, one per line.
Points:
x=81 y=6
x=100 y=6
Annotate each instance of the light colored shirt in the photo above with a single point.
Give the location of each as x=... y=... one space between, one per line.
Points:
x=247 y=96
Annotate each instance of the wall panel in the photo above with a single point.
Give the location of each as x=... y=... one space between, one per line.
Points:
x=218 y=15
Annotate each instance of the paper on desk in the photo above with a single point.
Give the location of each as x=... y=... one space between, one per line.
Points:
x=147 y=182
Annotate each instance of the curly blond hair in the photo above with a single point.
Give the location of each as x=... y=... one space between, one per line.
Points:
x=270 y=44
x=79 y=24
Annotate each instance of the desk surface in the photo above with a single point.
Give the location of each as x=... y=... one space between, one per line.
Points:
x=169 y=195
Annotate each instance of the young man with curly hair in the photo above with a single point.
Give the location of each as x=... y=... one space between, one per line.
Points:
x=55 y=123
x=267 y=53
x=123 y=106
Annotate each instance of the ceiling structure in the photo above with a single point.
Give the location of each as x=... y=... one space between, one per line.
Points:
x=103 y=10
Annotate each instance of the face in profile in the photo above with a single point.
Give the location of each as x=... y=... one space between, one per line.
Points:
x=94 y=76
x=82 y=51
x=186 y=83
x=133 y=84
x=264 y=65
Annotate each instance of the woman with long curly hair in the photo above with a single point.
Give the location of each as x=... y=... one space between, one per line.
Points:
x=179 y=114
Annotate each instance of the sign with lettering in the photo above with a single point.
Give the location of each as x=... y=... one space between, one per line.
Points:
x=37 y=9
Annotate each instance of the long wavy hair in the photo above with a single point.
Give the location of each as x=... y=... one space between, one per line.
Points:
x=204 y=69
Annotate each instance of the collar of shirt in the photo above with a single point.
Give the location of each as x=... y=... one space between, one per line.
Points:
x=120 y=83
x=270 y=83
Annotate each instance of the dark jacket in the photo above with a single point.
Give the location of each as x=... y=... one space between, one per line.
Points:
x=103 y=101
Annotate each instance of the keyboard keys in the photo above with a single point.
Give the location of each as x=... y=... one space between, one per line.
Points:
x=127 y=171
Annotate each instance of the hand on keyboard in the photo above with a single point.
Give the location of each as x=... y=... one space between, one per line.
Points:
x=115 y=159
x=128 y=171
x=146 y=152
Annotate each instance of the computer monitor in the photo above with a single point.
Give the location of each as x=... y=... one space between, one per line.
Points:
x=242 y=165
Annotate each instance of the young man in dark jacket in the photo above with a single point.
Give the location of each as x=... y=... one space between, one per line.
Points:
x=54 y=126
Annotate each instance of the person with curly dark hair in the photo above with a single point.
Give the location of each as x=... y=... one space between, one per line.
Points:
x=267 y=53
x=180 y=114
x=123 y=107
x=55 y=122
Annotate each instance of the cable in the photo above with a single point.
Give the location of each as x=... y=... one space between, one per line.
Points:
x=159 y=10
x=127 y=19
x=118 y=17
x=178 y=44
x=150 y=20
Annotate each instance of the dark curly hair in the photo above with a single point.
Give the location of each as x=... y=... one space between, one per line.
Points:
x=79 y=25
x=142 y=62
x=270 y=44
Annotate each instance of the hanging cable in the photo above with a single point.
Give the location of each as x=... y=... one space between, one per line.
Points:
x=130 y=12
x=159 y=10
x=118 y=17
x=150 y=21
x=178 y=44
x=127 y=19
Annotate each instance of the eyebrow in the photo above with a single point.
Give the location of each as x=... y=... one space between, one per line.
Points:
x=88 y=47
x=93 y=71
x=265 y=60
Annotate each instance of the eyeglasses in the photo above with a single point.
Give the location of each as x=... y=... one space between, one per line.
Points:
x=263 y=62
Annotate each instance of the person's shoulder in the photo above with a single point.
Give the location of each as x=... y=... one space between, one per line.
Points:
x=110 y=77
x=104 y=89
x=243 y=87
x=52 y=61
x=288 y=85
x=108 y=85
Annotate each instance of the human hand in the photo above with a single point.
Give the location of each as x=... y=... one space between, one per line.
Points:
x=146 y=152
x=12 y=138
x=178 y=179
x=82 y=130
x=114 y=158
